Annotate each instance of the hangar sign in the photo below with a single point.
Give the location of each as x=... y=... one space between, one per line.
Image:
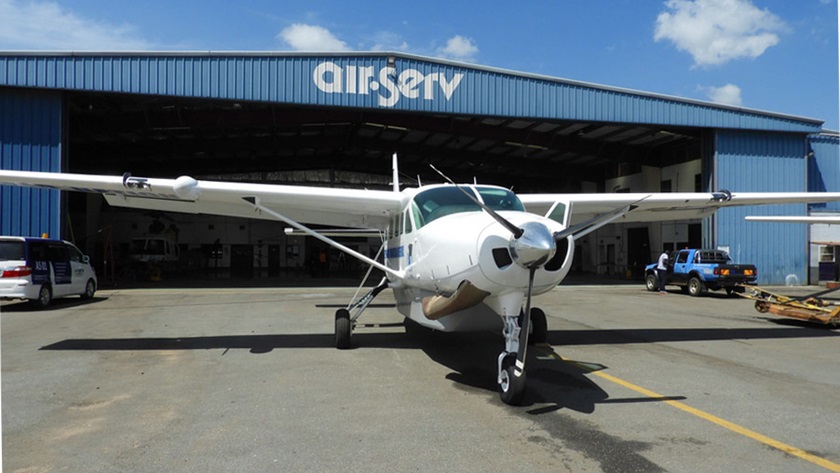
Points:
x=331 y=78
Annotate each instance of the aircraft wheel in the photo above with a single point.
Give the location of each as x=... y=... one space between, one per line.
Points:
x=90 y=288
x=539 y=327
x=651 y=282
x=343 y=328
x=511 y=389
x=696 y=287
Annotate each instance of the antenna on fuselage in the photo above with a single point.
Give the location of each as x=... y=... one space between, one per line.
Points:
x=396 y=173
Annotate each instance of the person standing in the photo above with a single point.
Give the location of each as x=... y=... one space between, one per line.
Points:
x=662 y=271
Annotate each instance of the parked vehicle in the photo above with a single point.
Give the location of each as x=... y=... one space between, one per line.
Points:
x=698 y=271
x=152 y=257
x=40 y=269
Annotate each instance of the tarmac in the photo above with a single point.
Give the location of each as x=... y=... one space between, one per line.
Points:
x=227 y=378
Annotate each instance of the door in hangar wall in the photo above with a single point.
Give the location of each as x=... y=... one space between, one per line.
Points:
x=242 y=261
x=638 y=251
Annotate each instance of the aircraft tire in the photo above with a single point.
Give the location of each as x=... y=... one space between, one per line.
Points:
x=539 y=327
x=343 y=329
x=511 y=389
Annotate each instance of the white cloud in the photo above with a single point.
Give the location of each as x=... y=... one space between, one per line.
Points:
x=460 y=48
x=303 y=37
x=388 y=41
x=717 y=31
x=728 y=94
x=46 y=25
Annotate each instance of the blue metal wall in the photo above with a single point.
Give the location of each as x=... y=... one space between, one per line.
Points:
x=30 y=140
x=362 y=80
x=763 y=162
x=824 y=167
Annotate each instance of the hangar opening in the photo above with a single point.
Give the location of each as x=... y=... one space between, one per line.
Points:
x=329 y=146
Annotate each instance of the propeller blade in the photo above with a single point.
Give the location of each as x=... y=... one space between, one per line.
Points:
x=524 y=328
x=516 y=231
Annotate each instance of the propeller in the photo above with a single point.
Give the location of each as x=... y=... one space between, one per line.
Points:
x=532 y=245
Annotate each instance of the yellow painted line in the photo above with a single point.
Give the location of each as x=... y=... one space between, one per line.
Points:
x=789 y=449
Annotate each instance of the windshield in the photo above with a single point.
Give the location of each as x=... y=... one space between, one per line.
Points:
x=435 y=203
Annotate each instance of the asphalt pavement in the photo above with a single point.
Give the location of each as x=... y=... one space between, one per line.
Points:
x=248 y=379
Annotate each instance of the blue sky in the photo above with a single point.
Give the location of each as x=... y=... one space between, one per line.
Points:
x=774 y=55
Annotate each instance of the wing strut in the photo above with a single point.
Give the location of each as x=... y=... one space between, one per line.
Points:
x=589 y=226
x=254 y=201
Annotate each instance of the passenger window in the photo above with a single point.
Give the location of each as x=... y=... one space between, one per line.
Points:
x=75 y=255
x=418 y=216
x=407 y=219
x=38 y=252
x=682 y=257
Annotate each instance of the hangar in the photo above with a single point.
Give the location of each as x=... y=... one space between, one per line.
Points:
x=335 y=120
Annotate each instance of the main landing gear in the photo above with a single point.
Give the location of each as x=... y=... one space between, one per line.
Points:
x=344 y=322
x=511 y=378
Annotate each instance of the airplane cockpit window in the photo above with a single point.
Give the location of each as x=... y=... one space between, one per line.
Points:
x=441 y=201
x=500 y=199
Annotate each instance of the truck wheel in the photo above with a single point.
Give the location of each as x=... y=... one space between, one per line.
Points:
x=651 y=282
x=696 y=287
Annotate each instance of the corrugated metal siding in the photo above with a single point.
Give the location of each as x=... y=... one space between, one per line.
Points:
x=30 y=140
x=763 y=162
x=824 y=168
x=290 y=79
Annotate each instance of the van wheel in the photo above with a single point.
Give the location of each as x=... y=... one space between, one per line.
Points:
x=44 y=297
x=90 y=288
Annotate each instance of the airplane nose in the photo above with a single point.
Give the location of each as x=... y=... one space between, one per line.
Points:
x=535 y=247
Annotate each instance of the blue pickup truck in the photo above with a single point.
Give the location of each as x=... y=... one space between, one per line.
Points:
x=698 y=271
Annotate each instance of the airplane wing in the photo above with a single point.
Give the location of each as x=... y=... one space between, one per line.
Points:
x=824 y=219
x=350 y=208
x=665 y=205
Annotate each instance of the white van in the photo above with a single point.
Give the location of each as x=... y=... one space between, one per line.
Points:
x=39 y=270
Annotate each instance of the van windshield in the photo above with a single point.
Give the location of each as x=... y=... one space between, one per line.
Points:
x=12 y=251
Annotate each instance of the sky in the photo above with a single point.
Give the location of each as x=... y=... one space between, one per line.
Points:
x=778 y=56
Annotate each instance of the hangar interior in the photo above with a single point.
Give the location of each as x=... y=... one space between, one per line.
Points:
x=330 y=146
x=229 y=137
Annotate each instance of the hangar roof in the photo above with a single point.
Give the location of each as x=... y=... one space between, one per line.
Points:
x=241 y=112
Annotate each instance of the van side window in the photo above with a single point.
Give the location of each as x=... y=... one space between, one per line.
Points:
x=58 y=253
x=38 y=251
x=75 y=255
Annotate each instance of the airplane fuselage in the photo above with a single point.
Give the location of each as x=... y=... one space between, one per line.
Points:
x=461 y=255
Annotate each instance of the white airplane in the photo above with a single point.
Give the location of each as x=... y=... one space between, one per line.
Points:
x=458 y=257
